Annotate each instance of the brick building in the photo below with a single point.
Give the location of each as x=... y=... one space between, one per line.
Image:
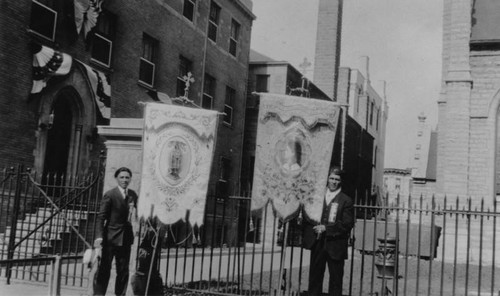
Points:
x=136 y=47
x=468 y=125
x=370 y=111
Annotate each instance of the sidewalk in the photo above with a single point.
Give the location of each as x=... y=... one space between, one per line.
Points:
x=26 y=288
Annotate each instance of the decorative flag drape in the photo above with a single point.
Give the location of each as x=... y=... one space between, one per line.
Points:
x=178 y=145
x=86 y=14
x=48 y=62
x=294 y=146
x=102 y=90
x=159 y=96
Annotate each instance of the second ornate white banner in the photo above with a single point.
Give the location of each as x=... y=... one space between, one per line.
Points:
x=294 y=147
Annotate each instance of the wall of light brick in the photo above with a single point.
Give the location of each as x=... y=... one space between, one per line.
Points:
x=327 y=56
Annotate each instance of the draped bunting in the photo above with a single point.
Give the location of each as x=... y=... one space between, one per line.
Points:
x=48 y=62
x=293 y=152
x=86 y=14
x=178 y=144
x=159 y=96
x=102 y=90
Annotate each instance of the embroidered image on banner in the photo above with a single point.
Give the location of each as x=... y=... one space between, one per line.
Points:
x=178 y=147
x=294 y=146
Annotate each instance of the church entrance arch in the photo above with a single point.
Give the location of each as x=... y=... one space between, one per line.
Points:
x=63 y=137
x=58 y=137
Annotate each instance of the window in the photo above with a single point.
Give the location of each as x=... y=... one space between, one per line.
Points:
x=418 y=146
x=185 y=66
x=235 y=36
x=372 y=105
x=417 y=156
x=228 y=105
x=102 y=41
x=357 y=103
x=398 y=184
x=43 y=20
x=188 y=10
x=213 y=21
x=148 y=60
x=208 y=92
x=420 y=133
x=225 y=169
x=261 y=83
x=378 y=117
x=225 y=173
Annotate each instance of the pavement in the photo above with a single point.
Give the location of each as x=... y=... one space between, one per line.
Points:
x=26 y=288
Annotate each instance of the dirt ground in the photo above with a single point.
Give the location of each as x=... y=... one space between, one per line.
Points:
x=417 y=277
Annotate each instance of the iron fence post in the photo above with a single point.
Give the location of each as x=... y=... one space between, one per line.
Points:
x=55 y=276
x=13 y=224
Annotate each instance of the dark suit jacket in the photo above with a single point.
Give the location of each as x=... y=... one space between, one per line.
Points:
x=336 y=236
x=113 y=219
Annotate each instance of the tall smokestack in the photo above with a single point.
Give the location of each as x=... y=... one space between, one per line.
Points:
x=327 y=56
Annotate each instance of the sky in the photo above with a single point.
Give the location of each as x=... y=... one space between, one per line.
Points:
x=402 y=38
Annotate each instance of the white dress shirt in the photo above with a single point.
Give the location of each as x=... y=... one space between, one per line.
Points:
x=123 y=191
x=330 y=195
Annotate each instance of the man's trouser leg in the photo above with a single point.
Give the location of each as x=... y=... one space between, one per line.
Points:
x=317 y=269
x=122 y=257
x=101 y=277
x=336 y=270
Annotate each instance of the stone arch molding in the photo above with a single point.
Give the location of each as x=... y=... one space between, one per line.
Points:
x=77 y=88
x=493 y=122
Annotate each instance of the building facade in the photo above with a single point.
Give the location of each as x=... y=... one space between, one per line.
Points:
x=370 y=111
x=119 y=51
x=468 y=126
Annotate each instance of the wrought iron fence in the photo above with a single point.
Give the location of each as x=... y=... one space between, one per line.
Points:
x=41 y=216
x=413 y=246
x=410 y=247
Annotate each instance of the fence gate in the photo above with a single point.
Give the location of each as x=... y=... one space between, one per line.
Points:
x=41 y=216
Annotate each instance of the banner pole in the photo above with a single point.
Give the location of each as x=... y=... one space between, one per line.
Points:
x=283 y=257
x=154 y=249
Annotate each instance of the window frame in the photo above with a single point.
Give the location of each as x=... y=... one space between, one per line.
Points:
x=213 y=21
x=181 y=84
x=149 y=57
x=208 y=91
x=257 y=84
x=234 y=37
x=54 y=26
x=224 y=168
x=192 y=4
x=229 y=105
x=110 y=19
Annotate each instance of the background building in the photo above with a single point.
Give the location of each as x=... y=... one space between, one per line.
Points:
x=137 y=46
x=468 y=124
x=370 y=111
x=122 y=51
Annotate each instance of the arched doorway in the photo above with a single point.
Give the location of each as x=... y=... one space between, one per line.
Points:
x=59 y=137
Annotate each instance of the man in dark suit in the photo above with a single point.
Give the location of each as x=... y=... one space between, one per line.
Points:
x=328 y=240
x=115 y=234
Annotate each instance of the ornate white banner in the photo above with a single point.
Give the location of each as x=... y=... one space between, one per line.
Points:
x=178 y=146
x=294 y=147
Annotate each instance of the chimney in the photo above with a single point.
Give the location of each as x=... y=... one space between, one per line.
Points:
x=328 y=37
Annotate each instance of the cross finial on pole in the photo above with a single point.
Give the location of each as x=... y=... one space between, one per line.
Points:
x=188 y=79
x=305 y=64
